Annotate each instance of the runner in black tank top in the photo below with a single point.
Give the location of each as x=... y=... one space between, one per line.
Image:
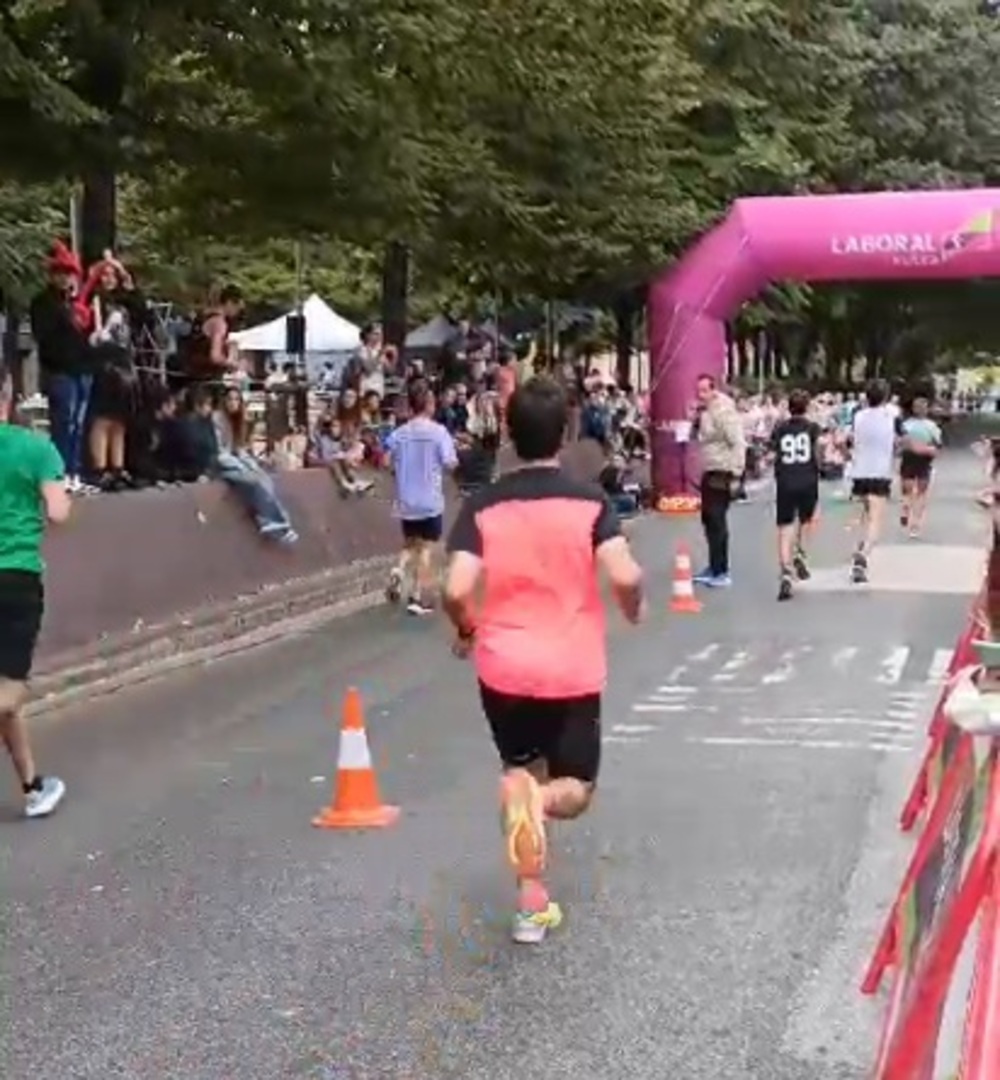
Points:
x=796 y=474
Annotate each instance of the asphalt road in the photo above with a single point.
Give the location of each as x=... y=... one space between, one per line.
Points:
x=181 y=919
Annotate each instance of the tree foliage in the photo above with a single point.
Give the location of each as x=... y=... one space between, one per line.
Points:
x=551 y=148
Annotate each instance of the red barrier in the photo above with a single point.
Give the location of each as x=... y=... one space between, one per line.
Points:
x=939 y=905
x=943 y=735
x=958 y=779
x=981 y=1050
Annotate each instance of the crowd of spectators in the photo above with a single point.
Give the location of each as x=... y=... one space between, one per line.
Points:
x=120 y=424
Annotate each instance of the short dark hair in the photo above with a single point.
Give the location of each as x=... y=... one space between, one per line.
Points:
x=877 y=392
x=537 y=415
x=798 y=402
x=200 y=395
x=418 y=393
x=231 y=294
x=710 y=379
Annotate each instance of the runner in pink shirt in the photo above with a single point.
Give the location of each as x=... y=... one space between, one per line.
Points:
x=522 y=591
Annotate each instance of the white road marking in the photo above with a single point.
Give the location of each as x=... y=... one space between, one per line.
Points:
x=902 y=714
x=893 y=665
x=620 y=739
x=819 y=721
x=670 y=689
x=843 y=657
x=705 y=654
x=732 y=666
x=676 y=674
x=803 y=744
x=784 y=671
x=938 y=671
x=632 y=729
x=671 y=707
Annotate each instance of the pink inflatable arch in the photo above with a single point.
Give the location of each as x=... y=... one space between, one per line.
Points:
x=933 y=234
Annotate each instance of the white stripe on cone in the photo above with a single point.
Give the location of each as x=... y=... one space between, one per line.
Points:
x=684 y=563
x=354 y=751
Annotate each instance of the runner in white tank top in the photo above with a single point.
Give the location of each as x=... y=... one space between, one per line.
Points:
x=874 y=435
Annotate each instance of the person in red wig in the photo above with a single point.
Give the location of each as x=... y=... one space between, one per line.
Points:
x=61 y=326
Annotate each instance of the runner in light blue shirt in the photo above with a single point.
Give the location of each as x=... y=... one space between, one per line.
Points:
x=421 y=451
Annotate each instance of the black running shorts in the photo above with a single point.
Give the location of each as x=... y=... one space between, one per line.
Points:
x=22 y=602
x=565 y=733
x=795 y=504
x=429 y=529
x=915 y=466
x=877 y=488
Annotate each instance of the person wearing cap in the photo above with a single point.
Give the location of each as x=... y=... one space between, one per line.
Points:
x=61 y=327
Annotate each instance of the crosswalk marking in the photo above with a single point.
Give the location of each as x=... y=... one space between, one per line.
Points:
x=705 y=654
x=673 y=689
x=938 y=670
x=804 y=744
x=632 y=729
x=670 y=707
x=894 y=665
x=833 y=721
x=732 y=666
x=783 y=672
x=843 y=657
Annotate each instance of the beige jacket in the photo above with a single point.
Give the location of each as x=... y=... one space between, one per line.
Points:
x=721 y=437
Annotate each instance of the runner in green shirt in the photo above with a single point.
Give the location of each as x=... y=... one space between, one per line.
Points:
x=32 y=491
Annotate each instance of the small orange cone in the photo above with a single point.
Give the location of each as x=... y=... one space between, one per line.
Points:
x=683 y=599
x=356 y=803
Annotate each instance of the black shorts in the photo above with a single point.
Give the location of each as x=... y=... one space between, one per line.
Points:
x=427 y=529
x=22 y=601
x=565 y=733
x=915 y=466
x=879 y=488
x=795 y=504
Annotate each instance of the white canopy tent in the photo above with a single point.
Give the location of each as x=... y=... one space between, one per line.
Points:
x=330 y=338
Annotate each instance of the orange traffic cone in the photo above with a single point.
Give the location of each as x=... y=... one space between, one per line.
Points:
x=683 y=599
x=356 y=803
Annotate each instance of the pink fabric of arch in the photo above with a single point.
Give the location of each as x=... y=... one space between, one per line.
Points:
x=878 y=236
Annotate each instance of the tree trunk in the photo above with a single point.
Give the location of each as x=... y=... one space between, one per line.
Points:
x=625 y=313
x=98 y=214
x=395 y=290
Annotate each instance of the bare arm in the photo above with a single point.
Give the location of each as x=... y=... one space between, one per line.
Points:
x=625 y=575
x=57 y=501
x=218 y=352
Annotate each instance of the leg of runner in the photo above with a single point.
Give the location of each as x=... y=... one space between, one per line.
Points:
x=423 y=581
x=807 y=517
x=401 y=575
x=908 y=497
x=918 y=506
x=42 y=794
x=785 y=521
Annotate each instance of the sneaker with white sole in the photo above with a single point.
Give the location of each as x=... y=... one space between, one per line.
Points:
x=530 y=927
x=44 y=799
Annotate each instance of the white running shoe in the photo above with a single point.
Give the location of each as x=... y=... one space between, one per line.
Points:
x=43 y=801
x=530 y=927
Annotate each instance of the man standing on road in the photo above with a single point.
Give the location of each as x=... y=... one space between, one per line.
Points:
x=796 y=473
x=420 y=452
x=719 y=431
x=874 y=435
x=32 y=489
x=534 y=542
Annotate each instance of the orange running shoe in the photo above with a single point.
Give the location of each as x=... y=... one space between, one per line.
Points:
x=523 y=823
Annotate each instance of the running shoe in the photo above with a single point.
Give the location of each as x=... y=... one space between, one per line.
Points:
x=523 y=823
x=44 y=799
x=418 y=607
x=785 y=587
x=801 y=566
x=718 y=581
x=904 y=518
x=859 y=569
x=530 y=927
x=705 y=577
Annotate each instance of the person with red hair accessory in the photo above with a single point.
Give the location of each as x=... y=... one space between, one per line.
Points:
x=60 y=324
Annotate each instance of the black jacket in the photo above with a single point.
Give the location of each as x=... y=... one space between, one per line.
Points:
x=63 y=348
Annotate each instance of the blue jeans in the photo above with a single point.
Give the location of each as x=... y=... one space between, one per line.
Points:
x=255 y=489
x=69 y=399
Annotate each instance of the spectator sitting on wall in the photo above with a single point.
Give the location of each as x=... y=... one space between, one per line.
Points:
x=329 y=449
x=60 y=325
x=243 y=473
